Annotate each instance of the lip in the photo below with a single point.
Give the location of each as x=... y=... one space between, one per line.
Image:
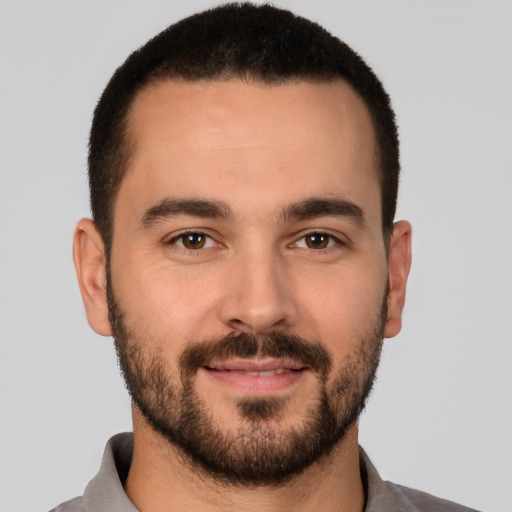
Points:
x=256 y=376
x=256 y=365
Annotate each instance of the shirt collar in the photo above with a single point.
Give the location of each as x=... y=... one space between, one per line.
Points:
x=378 y=496
x=105 y=491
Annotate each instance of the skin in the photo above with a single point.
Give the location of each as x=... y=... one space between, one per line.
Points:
x=257 y=149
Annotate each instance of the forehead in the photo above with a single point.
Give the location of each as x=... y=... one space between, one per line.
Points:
x=234 y=139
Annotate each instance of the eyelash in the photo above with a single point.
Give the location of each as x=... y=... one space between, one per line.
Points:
x=331 y=241
x=182 y=236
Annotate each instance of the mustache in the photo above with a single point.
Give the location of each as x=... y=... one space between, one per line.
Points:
x=242 y=345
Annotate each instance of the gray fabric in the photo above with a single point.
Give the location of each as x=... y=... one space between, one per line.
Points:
x=105 y=491
x=389 y=497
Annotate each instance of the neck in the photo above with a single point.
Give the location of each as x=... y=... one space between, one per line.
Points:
x=161 y=481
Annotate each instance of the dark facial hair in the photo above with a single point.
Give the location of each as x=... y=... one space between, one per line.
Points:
x=258 y=453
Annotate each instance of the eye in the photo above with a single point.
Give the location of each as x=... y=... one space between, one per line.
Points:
x=317 y=241
x=193 y=241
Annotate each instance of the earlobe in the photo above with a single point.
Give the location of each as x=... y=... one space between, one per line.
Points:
x=89 y=258
x=399 y=264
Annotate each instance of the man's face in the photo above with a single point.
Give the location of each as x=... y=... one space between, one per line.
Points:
x=248 y=272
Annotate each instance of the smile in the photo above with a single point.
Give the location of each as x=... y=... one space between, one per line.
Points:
x=255 y=373
x=266 y=365
x=256 y=376
x=269 y=373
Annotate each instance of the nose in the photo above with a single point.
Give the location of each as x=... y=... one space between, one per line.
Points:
x=259 y=295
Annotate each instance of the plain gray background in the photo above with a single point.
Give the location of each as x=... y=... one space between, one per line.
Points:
x=441 y=416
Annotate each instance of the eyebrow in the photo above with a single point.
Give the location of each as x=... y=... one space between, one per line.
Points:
x=209 y=209
x=202 y=208
x=320 y=207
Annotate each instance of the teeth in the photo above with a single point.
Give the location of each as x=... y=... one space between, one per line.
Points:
x=269 y=373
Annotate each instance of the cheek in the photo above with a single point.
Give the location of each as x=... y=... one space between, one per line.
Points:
x=344 y=308
x=167 y=303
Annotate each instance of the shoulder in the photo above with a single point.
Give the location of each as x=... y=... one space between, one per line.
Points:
x=384 y=496
x=419 y=501
x=74 y=505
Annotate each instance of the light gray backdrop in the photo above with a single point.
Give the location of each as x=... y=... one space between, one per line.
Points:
x=441 y=416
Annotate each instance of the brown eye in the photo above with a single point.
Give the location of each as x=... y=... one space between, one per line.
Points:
x=193 y=241
x=317 y=240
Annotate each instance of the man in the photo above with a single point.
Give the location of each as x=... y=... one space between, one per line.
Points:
x=243 y=253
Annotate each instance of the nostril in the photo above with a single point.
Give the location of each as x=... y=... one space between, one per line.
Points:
x=236 y=322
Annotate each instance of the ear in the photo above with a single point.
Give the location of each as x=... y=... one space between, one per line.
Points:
x=89 y=258
x=399 y=264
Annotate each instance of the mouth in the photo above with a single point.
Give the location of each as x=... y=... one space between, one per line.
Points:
x=264 y=376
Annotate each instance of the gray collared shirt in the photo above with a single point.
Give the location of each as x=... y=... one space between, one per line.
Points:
x=105 y=491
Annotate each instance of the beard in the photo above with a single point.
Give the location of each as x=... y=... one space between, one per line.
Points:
x=260 y=451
